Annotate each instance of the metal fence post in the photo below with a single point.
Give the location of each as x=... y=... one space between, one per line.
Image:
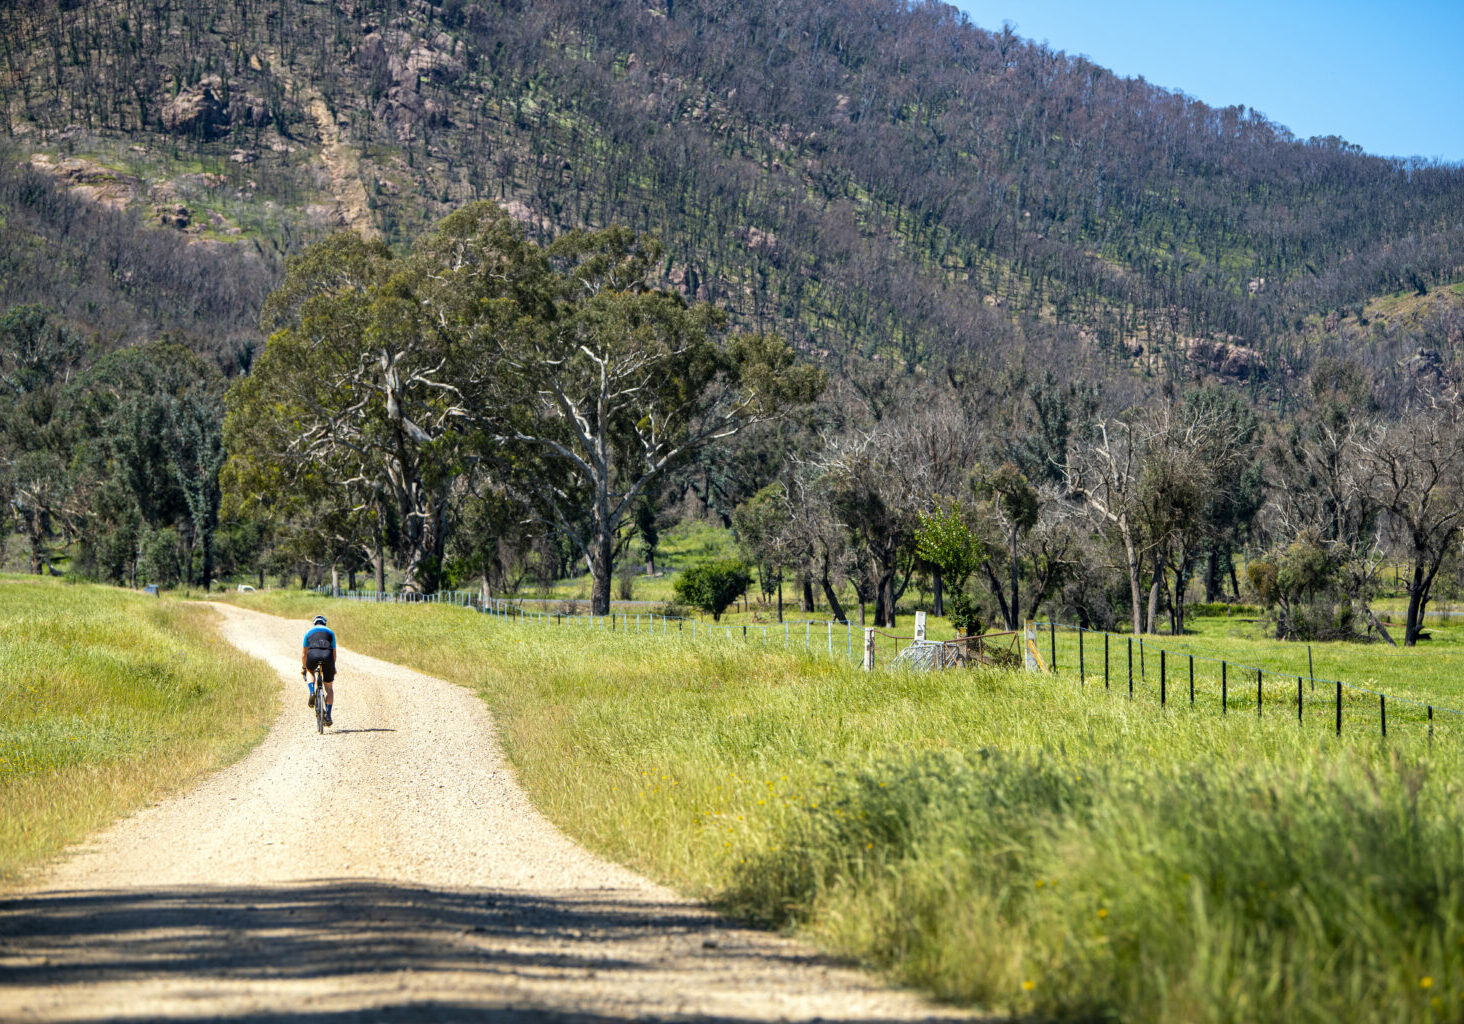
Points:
x=1258 y=693
x=1383 y=713
x=1131 y=667
x=1225 y=689
x=1105 y=661
x=1081 y=664
x=1192 y=678
x=1298 y=699
x=868 y=649
x=1052 y=630
x=1163 y=681
x=1339 y=709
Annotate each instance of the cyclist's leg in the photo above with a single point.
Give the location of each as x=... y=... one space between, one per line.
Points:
x=327 y=672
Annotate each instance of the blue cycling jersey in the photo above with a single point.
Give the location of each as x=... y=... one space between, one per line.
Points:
x=324 y=639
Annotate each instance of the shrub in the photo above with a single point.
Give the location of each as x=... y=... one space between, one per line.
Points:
x=714 y=586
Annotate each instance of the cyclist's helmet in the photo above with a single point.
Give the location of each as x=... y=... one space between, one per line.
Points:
x=319 y=620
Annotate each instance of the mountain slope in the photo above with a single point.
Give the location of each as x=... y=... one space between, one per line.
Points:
x=878 y=177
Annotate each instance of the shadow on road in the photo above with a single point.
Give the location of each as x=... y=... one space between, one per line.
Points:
x=512 y=957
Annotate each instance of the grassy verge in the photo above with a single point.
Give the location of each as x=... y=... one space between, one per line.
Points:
x=108 y=700
x=1001 y=840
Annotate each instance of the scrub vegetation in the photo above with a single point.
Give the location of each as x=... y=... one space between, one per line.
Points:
x=1002 y=840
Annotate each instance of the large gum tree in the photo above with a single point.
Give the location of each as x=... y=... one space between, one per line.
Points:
x=625 y=382
x=397 y=386
x=368 y=401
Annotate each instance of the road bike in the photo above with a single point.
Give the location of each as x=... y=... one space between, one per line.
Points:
x=318 y=674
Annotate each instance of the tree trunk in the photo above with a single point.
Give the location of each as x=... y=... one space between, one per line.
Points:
x=780 y=598
x=1212 y=575
x=1132 y=557
x=1155 y=582
x=335 y=581
x=1016 y=571
x=601 y=557
x=1008 y=613
x=836 y=610
x=938 y=599
x=36 y=535
x=378 y=567
x=1413 y=621
x=807 y=582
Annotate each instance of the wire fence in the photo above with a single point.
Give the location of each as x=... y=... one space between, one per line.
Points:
x=835 y=638
x=1137 y=668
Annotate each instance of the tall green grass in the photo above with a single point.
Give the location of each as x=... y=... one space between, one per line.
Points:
x=109 y=699
x=1002 y=840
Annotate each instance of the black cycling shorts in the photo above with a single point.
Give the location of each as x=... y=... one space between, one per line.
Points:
x=326 y=661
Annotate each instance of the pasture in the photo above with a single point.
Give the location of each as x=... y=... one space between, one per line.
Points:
x=108 y=700
x=1001 y=839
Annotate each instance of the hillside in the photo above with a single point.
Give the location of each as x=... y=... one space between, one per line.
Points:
x=881 y=179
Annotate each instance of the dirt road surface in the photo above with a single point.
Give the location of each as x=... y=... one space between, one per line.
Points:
x=391 y=869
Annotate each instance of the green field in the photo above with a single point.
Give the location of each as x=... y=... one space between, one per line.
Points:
x=1003 y=840
x=109 y=699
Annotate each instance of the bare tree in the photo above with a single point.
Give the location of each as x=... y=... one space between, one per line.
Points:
x=1418 y=477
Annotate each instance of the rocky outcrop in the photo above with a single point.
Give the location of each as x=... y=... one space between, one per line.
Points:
x=1227 y=359
x=197 y=111
x=91 y=180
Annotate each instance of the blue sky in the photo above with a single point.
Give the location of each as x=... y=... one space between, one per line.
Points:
x=1386 y=76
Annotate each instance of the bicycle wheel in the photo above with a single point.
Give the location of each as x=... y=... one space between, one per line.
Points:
x=319 y=702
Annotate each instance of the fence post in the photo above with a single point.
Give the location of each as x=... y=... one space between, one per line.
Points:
x=1052 y=630
x=919 y=625
x=1082 y=666
x=1029 y=647
x=1105 y=661
x=1298 y=700
x=1339 y=709
x=1310 y=670
x=869 y=649
x=1163 y=682
x=1131 y=667
x=1192 y=678
x=1225 y=690
x=1383 y=713
x=1258 y=693
x=1430 y=725
x=831 y=637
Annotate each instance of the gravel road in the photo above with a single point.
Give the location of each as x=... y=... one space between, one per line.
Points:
x=391 y=869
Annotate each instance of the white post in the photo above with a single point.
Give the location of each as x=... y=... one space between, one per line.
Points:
x=919 y=625
x=1029 y=641
x=869 y=649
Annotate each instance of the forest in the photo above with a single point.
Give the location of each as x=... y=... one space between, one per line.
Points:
x=893 y=297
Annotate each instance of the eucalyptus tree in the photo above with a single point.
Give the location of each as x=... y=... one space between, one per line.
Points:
x=624 y=382
x=369 y=400
x=38 y=355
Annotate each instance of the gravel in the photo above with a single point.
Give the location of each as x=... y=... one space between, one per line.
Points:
x=391 y=869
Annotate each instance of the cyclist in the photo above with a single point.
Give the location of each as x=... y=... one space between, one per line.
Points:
x=319 y=649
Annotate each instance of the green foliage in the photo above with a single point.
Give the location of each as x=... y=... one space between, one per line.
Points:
x=714 y=586
x=946 y=539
